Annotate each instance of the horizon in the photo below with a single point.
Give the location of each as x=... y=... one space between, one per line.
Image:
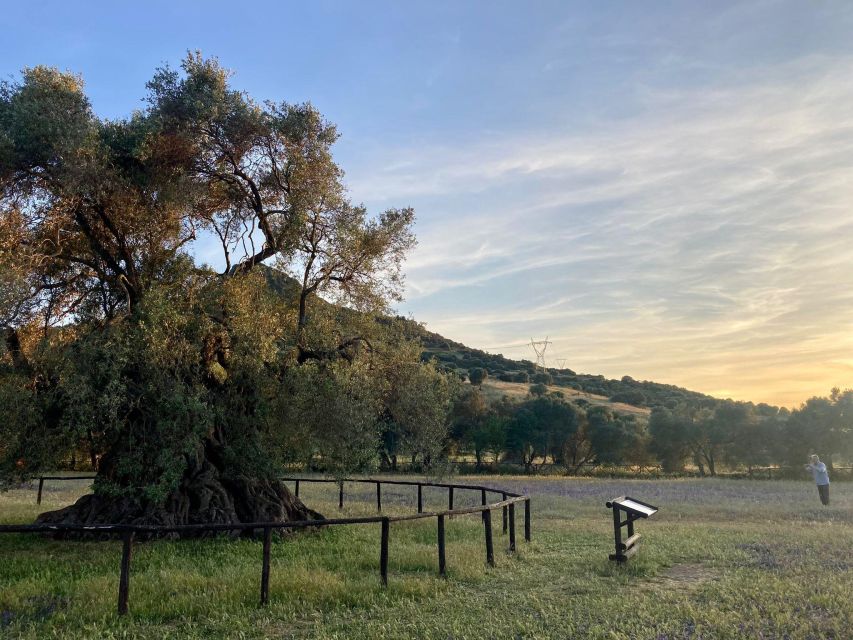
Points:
x=663 y=191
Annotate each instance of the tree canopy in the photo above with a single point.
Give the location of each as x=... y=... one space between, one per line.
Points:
x=188 y=385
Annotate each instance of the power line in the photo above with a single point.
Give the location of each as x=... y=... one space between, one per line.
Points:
x=522 y=345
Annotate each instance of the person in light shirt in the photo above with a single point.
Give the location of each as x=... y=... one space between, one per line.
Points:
x=821 y=478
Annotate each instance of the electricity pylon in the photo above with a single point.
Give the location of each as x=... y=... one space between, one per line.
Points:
x=539 y=347
x=561 y=363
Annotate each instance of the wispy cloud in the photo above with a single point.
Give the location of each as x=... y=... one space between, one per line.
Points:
x=703 y=241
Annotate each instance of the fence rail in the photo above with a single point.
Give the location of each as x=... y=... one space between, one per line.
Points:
x=128 y=531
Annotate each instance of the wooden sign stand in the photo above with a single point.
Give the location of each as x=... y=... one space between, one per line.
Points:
x=632 y=509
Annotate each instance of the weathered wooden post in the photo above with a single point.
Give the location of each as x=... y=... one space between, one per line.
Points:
x=383 y=553
x=512 y=527
x=420 y=498
x=378 y=496
x=265 y=567
x=450 y=499
x=41 y=486
x=527 y=520
x=487 y=527
x=442 y=563
x=297 y=488
x=124 y=576
x=341 y=495
x=503 y=497
x=617 y=532
x=482 y=496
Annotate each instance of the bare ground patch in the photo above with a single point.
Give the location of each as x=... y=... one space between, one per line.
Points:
x=685 y=577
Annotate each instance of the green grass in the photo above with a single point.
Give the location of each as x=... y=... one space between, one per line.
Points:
x=722 y=559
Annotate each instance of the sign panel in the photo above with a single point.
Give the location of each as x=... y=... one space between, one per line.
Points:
x=636 y=506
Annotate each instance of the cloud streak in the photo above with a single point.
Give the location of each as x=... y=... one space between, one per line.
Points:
x=702 y=241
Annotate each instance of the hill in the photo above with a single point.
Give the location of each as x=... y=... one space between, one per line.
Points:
x=513 y=377
x=596 y=389
x=494 y=389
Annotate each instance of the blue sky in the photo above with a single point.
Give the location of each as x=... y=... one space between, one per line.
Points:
x=663 y=188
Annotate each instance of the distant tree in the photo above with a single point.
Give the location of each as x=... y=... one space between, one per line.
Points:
x=525 y=437
x=542 y=378
x=633 y=397
x=820 y=425
x=538 y=389
x=546 y=426
x=489 y=435
x=668 y=439
x=477 y=376
x=418 y=411
x=521 y=376
x=754 y=439
x=468 y=416
x=613 y=436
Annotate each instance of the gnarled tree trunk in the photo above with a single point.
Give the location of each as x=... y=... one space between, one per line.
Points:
x=205 y=496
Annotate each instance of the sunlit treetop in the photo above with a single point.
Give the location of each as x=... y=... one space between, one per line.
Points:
x=95 y=211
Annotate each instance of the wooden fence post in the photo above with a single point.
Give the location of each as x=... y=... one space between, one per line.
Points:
x=124 y=577
x=512 y=527
x=378 y=496
x=383 y=553
x=442 y=562
x=487 y=527
x=41 y=486
x=527 y=520
x=265 y=567
x=341 y=495
x=450 y=499
x=420 y=498
x=482 y=496
x=503 y=497
x=297 y=488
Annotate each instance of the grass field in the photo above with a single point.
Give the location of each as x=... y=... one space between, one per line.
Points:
x=722 y=559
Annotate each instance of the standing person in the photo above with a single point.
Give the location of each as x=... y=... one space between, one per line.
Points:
x=821 y=478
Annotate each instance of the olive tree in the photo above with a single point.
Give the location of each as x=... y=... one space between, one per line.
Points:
x=178 y=375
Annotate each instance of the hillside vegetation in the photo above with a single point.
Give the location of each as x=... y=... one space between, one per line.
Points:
x=457 y=357
x=494 y=390
x=513 y=377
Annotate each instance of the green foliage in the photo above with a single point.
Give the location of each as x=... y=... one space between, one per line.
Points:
x=418 y=410
x=337 y=407
x=634 y=397
x=538 y=389
x=477 y=376
x=117 y=343
x=542 y=378
x=820 y=425
x=614 y=437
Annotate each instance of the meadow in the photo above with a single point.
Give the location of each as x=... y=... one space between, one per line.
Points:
x=722 y=559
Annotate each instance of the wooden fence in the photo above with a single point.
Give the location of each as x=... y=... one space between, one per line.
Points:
x=127 y=532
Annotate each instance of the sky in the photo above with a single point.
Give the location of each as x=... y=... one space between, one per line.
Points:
x=662 y=189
